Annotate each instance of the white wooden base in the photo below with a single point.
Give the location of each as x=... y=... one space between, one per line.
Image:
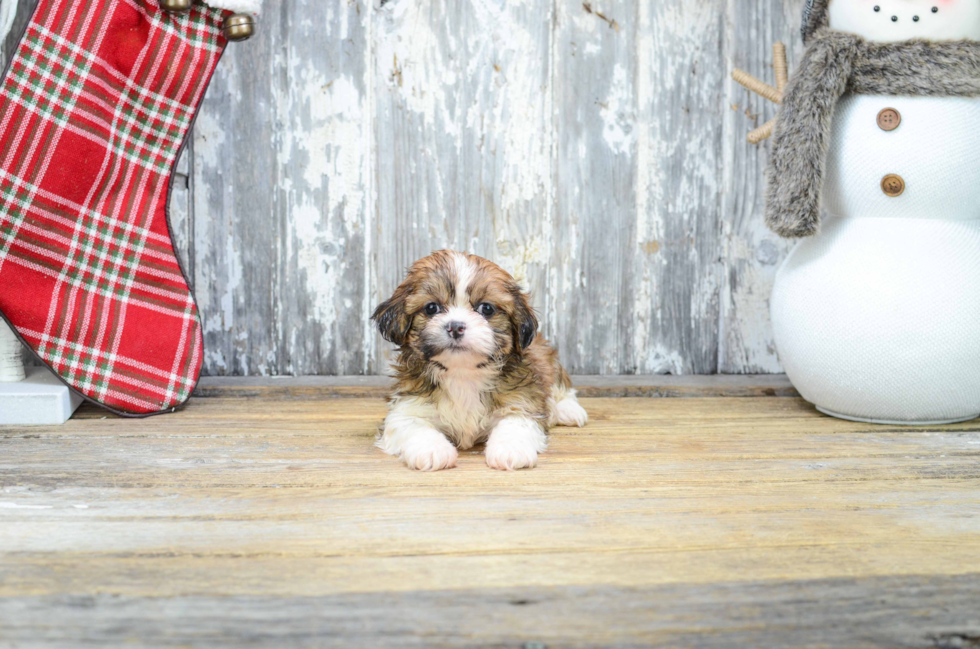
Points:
x=40 y=399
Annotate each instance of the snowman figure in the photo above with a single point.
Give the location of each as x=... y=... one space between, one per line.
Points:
x=875 y=165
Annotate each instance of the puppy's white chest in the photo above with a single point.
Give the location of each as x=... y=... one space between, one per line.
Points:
x=461 y=406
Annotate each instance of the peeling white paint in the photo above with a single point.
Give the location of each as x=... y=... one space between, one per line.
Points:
x=319 y=257
x=617 y=113
x=326 y=145
x=232 y=282
x=747 y=301
x=413 y=60
x=502 y=121
x=657 y=359
x=332 y=141
x=649 y=221
x=209 y=140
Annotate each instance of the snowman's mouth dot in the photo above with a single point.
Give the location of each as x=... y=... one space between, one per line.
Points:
x=877 y=8
x=935 y=10
x=915 y=19
x=894 y=19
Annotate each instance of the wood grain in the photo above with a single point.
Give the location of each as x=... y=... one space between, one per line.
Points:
x=676 y=276
x=745 y=514
x=379 y=387
x=595 y=215
x=234 y=211
x=324 y=184
x=752 y=254
x=914 y=611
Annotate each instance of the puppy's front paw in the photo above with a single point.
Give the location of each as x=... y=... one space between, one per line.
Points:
x=511 y=456
x=569 y=412
x=514 y=444
x=429 y=453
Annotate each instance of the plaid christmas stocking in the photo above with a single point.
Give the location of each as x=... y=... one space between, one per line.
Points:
x=94 y=108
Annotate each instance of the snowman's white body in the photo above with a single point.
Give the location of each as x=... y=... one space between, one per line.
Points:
x=878 y=316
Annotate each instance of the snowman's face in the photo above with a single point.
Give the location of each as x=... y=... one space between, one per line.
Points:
x=900 y=20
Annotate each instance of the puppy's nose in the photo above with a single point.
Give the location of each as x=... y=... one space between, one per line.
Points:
x=456 y=330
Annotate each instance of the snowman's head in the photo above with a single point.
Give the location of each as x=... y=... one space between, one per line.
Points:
x=889 y=21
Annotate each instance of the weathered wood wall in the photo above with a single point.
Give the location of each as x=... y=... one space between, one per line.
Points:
x=596 y=149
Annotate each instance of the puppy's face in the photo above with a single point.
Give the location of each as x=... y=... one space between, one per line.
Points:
x=457 y=310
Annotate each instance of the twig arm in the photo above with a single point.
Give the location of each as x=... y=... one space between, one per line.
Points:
x=760 y=88
x=763 y=89
x=781 y=66
x=764 y=132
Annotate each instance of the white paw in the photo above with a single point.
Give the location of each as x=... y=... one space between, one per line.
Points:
x=569 y=412
x=429 y=453
x=514 y=444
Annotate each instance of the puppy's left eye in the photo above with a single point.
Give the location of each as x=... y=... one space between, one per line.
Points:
x=486 y=310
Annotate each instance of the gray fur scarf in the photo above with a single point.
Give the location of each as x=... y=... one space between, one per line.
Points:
x=834 y=64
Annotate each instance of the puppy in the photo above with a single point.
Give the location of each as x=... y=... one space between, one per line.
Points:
x=471 y=367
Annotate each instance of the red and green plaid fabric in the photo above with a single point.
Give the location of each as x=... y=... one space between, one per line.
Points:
x=94 y=107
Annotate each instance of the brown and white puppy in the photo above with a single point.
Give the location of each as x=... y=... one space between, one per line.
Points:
x=471 y=367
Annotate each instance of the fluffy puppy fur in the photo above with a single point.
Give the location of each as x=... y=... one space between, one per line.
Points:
x=471 y=367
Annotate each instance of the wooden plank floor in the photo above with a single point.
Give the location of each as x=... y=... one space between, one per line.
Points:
x=274 y=521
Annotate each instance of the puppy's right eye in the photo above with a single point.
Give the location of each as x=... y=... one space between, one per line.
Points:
x=431 y=309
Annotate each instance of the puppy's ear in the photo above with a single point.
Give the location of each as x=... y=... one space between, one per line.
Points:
x=392 y=320
x=525 y=322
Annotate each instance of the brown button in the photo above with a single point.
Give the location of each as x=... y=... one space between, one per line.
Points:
x=889 y=119
x=893 y=185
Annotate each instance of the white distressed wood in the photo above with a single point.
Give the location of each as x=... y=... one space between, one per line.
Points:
x=11 y=361
x=324 y=185
x=235 y=215
x=25 y=8
x=282 y=187
x=639 y=163
x=595 y=205
x=677 y=266
x=464 y=137
x=584 y=146
x=180 y=212
x=752 y=253
x=596 y=149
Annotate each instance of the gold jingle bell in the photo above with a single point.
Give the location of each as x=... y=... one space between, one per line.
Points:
x=176 y=6
x=239 y=27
